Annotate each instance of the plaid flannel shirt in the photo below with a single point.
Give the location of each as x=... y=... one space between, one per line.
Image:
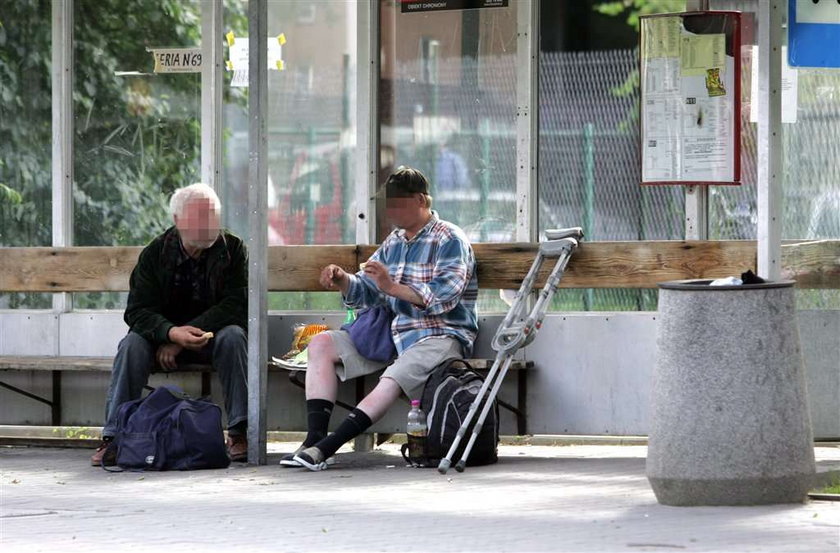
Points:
x=438 y=264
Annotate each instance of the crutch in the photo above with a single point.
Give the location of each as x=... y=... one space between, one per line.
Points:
x=516 y=331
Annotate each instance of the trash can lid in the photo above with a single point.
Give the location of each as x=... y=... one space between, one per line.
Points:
x=703 y=284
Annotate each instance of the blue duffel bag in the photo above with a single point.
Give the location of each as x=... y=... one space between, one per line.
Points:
x=168 y=430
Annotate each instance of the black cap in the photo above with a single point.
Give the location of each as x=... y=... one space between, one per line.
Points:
x=404 y=182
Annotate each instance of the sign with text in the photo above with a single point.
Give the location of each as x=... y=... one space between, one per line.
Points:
x=814 y=33
x=690 y=81
x=177 y=60
x=238 y=56
x=412 y=6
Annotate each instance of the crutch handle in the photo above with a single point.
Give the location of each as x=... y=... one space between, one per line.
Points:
x=558 y=233
x=556 y=248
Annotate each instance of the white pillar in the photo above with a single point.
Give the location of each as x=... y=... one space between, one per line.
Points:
x=770 y=177
x=527 y=118
x=211 y=92
x=62 y=135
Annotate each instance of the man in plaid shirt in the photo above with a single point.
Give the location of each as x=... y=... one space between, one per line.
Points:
x=424 y=272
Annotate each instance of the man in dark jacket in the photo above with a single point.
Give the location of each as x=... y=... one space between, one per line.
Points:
x=187 y=303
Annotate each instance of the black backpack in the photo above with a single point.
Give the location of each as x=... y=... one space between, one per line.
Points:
x=168 y=430
x=446 y=400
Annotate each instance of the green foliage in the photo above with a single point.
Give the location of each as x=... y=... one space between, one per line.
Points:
x=25 y=112
x=136 y=138
x=9 y=196
x=632 y=9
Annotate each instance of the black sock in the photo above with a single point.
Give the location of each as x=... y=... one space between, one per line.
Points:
x=318 y=412
x=355 y=423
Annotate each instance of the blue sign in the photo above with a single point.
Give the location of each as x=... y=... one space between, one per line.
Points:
x=814 y=33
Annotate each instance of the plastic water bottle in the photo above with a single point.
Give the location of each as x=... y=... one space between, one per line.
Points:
x=417 y=429
x=351 y=316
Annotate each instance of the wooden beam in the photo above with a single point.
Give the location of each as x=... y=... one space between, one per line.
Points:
x=297 y=268
x=500 y=265
x=594 y=264
x=617 y=264
x=82 y=269
x=814 y=264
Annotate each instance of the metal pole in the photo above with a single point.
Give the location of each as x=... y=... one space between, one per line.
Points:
x=697 y=197
x=769 y=144
x=258 y=223
x=589 y=195
x=310 y=181
x=211 y=92
x=62 y=137
x=483 y=208
x=367 y=122
x=527 y=119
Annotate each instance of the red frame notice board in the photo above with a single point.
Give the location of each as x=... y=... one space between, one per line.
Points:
x=690 y=83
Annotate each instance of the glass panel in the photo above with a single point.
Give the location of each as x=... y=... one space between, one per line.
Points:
x=589 y=133
x=448 y=108
x=138 y=133
x=812 y=170
x=733 y=212
x=233 y=191
x=311 y=133
x=810 y=134
x=25 y=135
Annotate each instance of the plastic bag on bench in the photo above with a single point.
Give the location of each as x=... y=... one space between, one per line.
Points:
x=168 y=430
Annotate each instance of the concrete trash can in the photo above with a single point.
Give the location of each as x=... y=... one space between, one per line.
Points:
x=729 y=421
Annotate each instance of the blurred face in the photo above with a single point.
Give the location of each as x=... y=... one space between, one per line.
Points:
x=407 y=213
x=199 y=224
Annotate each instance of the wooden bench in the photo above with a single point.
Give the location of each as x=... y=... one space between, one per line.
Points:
x=57 y=365
x=500 y=265
x=482 y=366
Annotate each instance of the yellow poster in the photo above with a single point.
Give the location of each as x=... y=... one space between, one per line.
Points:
x=662 y=39
x=701 y=52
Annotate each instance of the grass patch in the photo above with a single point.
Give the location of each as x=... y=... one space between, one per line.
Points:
x=832 y=486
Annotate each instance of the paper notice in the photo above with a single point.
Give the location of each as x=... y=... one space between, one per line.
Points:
x=701 y=52
x=662 y=39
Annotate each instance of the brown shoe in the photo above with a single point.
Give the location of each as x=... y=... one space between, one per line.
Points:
x=238 y=448
x=103 y=455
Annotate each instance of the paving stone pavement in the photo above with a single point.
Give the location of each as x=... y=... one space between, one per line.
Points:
x=536 y=499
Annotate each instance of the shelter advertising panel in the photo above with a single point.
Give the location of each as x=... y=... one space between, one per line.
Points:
x=690 y=86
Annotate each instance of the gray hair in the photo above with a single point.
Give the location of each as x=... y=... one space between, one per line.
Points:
x=197 y=191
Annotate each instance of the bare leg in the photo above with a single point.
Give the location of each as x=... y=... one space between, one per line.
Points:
x=377 y=402
x=359 y=420
x=321 y=380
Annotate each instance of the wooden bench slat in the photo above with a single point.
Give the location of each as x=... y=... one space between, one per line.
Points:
x=78 y=363
x=64 y=363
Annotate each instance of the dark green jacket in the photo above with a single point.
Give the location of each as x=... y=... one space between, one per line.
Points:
x=152 y=309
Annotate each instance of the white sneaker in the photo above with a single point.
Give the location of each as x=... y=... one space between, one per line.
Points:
x=311 y=458
x=288 y=460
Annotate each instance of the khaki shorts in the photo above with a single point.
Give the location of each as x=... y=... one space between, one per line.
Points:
x=410 y=370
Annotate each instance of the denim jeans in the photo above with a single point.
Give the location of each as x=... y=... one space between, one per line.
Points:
x=136 y=357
